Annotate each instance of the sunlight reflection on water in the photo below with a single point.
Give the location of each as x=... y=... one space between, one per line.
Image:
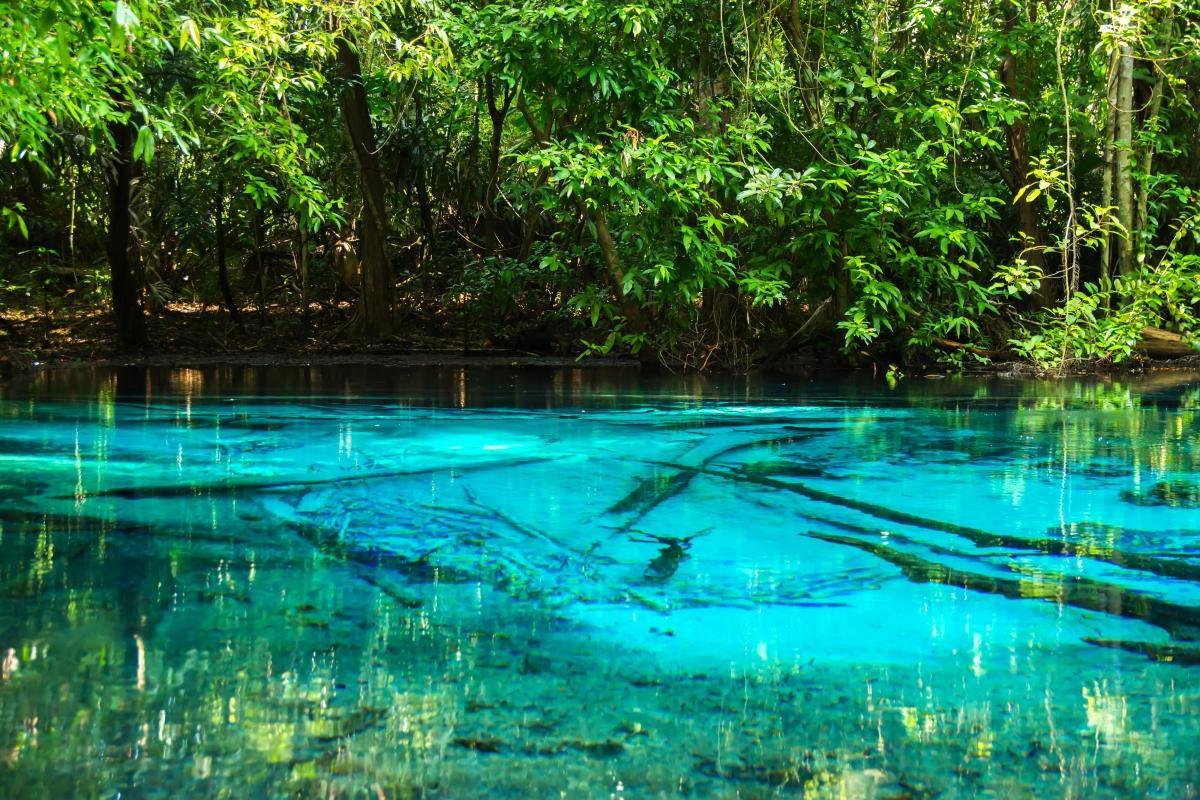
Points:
x=457 y=582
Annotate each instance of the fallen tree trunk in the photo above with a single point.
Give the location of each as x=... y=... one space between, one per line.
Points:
x=1159 y=343
x=950 y=344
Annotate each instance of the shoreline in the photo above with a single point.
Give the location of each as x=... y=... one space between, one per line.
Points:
x=82 y=338
x=401 y=359
x=363 y=358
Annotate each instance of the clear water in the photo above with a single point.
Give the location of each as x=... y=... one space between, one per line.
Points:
x=449 y=583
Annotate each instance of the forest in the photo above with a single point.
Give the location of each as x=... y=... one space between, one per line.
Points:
x=698 y=183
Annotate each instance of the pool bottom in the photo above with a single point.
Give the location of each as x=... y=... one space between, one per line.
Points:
x=212 y=596
x=294 y=674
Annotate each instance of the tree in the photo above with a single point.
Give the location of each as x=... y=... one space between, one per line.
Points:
x=376 y=269
x=682 y=181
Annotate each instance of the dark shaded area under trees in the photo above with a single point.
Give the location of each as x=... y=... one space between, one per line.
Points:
x=697 y=184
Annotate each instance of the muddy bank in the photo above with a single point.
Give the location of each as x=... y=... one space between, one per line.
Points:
x=425 y=358
x=192 y=337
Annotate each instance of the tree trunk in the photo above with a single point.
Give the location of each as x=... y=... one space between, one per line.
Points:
x=1141 y=223
x=612 y=262
x=1159 y=343
x=222 y=265
x=424 y=206
x=1033 y=250
x=428 y=229
x=260 y=264
x=532 y=215
x=303 y=236
x=1110 y=130
x=497 y=113
x=468 y=188
x=376 y=286
x=608 y=248
x=796 y=42
x=127 y=309
x=1124 y=171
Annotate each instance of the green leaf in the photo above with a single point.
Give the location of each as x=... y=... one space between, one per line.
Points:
x=123 y=23
x=189 y=33
x=143 y=148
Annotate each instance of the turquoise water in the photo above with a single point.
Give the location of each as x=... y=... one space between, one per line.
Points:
x=456 y=583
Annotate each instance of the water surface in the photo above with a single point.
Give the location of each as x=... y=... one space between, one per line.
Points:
x=473 y=583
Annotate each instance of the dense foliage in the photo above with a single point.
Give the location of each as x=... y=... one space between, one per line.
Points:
x=706 y=183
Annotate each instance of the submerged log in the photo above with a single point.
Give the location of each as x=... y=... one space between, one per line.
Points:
x=1181 y=622
x=420 y=569
x=1163 y=567
x=650 y=493
x=1171 y=653
x=1159 y=343
x=233 y=487
x=1168 y=494
x=654 y=491
x=487 y=511
x=673 y=553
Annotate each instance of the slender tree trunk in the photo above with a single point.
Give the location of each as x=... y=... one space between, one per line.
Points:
x=424 y=203
x=376 y=285
x=1018 y=151
x=796 y=39
x=532 y=215
x=303 y=236
x=74 y=205
x=497 y=113
x=127 y=309
x=841 y=292
x=428 y=226
x=629 y=306
x=1124 y=171
x=1141 y=222
x=259 y=263
x=901 y=37
x=222 y=261
x=1110 y=130
x=608 y=248
x=468 y=188
x=612 y=262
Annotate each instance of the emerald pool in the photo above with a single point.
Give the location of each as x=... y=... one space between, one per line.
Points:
x=457 y=582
